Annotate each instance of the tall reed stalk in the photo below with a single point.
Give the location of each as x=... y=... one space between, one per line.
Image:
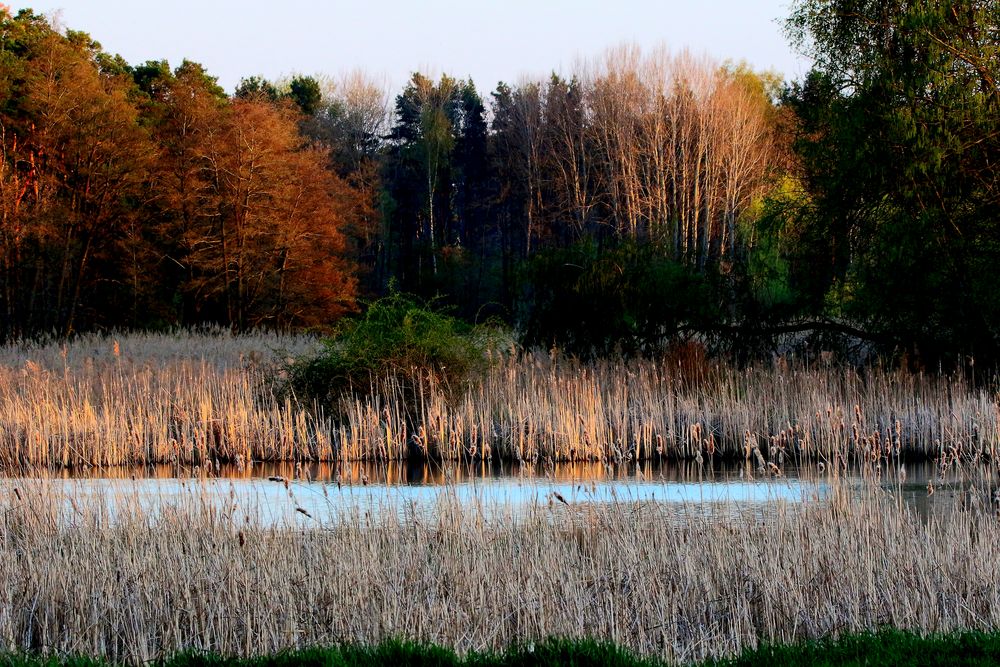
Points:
x=197 y=398
x=110 y=577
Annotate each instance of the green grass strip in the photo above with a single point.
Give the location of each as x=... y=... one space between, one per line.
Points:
x=887 y=647
x=884 y=648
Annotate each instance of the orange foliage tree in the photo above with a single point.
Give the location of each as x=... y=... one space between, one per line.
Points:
x=75 y=162
x=138 y=196
x=261 y=218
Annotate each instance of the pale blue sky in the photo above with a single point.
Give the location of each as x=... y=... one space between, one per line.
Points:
x=489 y=40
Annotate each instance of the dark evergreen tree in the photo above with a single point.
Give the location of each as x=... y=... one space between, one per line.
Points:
x=256 y=87
x=306 y=93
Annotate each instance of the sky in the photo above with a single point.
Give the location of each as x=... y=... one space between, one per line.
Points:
x=489 y=40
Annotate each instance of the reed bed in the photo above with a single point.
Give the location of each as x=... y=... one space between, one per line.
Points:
x=190 y=398
x=152 y=398
x=108 y=578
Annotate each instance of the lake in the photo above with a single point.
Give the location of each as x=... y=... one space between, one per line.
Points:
x=321 y=492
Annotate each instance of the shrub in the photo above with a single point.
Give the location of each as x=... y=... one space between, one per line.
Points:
x=400 y=338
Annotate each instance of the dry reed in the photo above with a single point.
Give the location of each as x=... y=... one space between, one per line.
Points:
x=109 y=578
x=196 y=398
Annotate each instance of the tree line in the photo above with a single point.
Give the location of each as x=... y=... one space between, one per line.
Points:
x=145 y=196
x=642 y=199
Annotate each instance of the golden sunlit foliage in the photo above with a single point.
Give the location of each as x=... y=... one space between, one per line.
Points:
x=137 y=196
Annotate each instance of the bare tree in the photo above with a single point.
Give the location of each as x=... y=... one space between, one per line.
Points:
x=681 y=143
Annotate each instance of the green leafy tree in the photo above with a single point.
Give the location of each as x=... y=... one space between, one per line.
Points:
x=632 y=299
x=419 y=167
x=899 y=133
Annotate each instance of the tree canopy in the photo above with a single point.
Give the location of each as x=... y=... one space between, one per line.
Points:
x=138 y=196
x=898 y=136
x=644 y=199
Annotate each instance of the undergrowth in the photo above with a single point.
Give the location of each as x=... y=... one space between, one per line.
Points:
x=887 y=647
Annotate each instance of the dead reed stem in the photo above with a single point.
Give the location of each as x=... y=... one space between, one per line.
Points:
x=197 y=398
x=105 y=577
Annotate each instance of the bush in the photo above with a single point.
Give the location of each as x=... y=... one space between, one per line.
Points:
x=401 y=338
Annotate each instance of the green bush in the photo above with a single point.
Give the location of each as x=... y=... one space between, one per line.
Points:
x=400 y=338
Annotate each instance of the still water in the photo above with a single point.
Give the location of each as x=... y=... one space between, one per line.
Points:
x=320 y=492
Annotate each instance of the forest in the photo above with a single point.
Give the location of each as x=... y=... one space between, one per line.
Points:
x=646 y=199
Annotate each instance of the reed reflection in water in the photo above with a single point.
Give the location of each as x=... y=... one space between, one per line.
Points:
x=320 y=492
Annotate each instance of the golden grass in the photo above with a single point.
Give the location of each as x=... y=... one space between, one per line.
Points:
x=109 y=578
x=196 y=398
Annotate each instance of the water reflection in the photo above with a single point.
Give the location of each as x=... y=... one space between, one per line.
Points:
x=322 y=491
x=913 y=477
x=417 y=473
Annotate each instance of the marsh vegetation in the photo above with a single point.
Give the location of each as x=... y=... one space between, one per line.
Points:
x=206 y=398
x=658 y=260
x=106 y=576
x=103 y=572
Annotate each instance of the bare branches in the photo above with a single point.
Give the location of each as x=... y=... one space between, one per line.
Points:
x=658 y=146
